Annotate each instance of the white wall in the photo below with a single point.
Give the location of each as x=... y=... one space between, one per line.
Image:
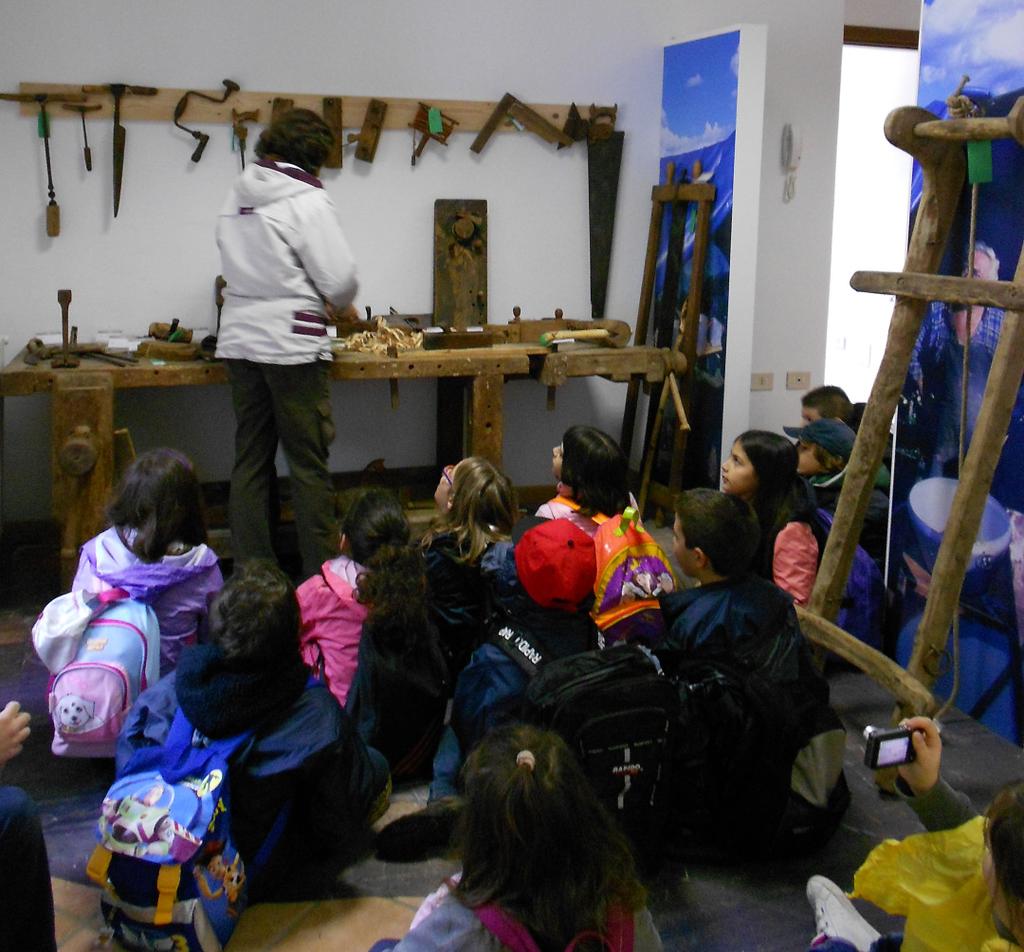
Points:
x=871 y=217
x=158 y=259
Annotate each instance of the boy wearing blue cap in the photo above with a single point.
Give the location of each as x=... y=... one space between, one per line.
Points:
x=824 y=447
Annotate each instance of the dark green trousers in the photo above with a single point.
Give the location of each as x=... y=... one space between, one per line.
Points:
x=289 y=404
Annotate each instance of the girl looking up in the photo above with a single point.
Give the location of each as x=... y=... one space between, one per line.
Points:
x=762 y=470
x=477 y=508
x=155 y=549
x=591 y=471
x=366 y=634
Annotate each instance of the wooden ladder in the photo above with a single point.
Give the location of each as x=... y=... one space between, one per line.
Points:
x=936 y=144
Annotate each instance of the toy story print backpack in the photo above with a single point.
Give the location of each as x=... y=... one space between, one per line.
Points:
x=171 y=876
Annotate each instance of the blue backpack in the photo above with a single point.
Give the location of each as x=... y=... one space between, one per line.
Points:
x=171 y=876
x=860 y=612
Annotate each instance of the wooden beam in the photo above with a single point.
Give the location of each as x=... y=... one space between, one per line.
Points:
x=82 y=422
x=885 y=672
x=472 y=115
x=881 y=36
x=940 y=287
x=486 y=409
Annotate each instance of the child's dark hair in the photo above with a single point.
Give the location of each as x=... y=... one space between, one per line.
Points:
x=723 y=527
x=778 y=499
x=535 y=839
x=394 y=586
x=254 y=619
x=596 y=469
x=300 y=136
x=1004 y=833
x=158 y=499
x=831 y=402
x=483 y=508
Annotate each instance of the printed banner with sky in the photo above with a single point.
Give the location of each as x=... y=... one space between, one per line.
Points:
x=983 y=40
x=698 y=125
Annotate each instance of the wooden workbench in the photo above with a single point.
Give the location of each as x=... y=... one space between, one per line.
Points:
x=470 y=391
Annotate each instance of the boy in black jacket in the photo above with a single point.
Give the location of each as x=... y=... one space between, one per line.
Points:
x=730 y=612
x=772 y=716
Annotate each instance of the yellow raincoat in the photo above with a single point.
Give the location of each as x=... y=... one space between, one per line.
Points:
x=935 y=881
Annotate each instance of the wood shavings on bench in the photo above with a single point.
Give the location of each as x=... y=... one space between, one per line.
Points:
x=381 y=340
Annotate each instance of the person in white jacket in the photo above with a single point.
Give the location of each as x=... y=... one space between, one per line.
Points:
x=289 y=270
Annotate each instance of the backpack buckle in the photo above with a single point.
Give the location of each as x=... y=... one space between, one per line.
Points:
x=98 y=865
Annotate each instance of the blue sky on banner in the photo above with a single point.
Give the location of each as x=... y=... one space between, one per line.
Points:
x=983 y=38
x=699 y=93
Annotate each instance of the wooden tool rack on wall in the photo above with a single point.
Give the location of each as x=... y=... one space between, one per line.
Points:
x=470 y=115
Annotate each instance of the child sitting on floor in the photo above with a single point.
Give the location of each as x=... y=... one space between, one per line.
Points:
x=823 y=450
x=746 y=628
x=730 y=611
x=155 y=549
x=477 y=507
x=365 y=633
x=591 y=471
x=541 y=591
x=542 y=862
x=827 y=403
x=761 y=470
x=305 y=749
x=960 y=885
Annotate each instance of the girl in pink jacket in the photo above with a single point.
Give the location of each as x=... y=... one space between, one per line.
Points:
x=761 y=469
x=366 y=634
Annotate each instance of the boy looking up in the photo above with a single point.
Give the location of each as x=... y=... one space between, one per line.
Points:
x=731 y=612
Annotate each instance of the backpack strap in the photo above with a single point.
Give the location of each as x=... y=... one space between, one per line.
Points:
x=168 y=878
x=510 y=932
x=618 y=934
x=521 y=645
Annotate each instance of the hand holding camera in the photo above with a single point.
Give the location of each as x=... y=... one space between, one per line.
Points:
x=914 y=747
x=923 y=773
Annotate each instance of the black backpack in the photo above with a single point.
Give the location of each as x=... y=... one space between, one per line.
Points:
x=757 y=765
x=619 y=714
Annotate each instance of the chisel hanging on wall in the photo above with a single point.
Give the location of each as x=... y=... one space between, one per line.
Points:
x=82 y=110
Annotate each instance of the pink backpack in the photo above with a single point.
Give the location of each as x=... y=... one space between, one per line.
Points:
x=92 y=688
x=618 y=936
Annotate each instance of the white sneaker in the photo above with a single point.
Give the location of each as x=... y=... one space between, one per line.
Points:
x=836 y=917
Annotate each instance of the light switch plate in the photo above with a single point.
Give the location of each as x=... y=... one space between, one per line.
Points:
x=798 y=379
x=762 y=381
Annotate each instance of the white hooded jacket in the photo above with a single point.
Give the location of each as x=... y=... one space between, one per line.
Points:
x=283 y=254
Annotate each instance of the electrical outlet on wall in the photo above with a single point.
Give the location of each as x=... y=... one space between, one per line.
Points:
x=798 y=379
x=762 y=381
